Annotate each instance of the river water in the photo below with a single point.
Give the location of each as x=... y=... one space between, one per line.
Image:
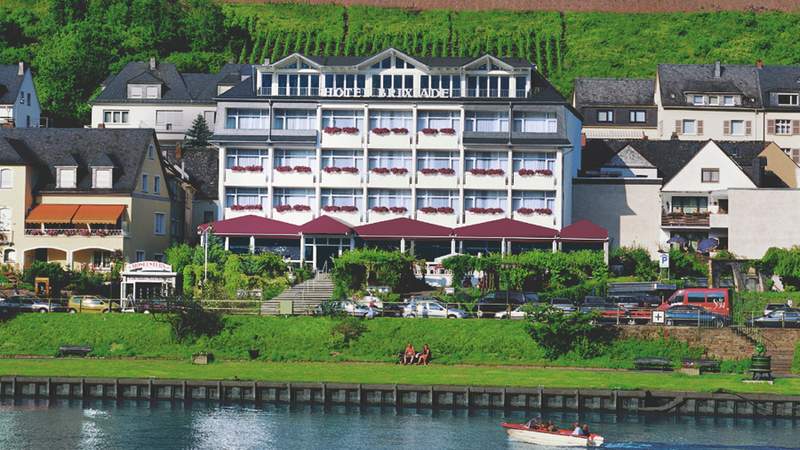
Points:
x=30 y=424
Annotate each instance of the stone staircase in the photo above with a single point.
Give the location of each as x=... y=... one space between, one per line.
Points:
x=781 y=346
x=305 y=296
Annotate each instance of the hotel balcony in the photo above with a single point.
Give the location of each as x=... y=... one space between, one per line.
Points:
x=389 y=180
x=472 y=218
x=437 y=180
x=304 y=136
x=544 y=220
x=292 y=216
x=74 y=233
x=685 y=220
x=719 y=220
x=342 y=139
x=390 y=140
x=340 y=179
x=293 y=177
x=445 y=220
x=246 y=176
x=352 y=218
x=536 y=181
x=473 y=181
x=438 y=140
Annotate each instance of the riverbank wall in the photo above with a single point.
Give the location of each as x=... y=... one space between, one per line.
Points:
x=403 y=396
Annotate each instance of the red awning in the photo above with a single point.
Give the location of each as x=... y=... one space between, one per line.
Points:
x=403 y=227
x=510 y=229
x=325 y=225
x=251 y=225
x=52 y=213
x=584 y=230
x=104 y=214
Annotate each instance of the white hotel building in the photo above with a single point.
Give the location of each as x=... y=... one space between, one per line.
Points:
x=447 y=141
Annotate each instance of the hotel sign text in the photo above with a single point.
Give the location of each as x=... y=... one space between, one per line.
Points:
x=388 y=93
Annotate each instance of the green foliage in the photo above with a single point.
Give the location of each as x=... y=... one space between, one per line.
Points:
x=559 y=333
x=459 y=266
x=346 y=331
x=356 y=269
x=87 y=282
x=57 y=275
x=748 y=305
x=192 y=321
x=782 y=262
x=686 y=264
x=199 y=133
x=635 y=261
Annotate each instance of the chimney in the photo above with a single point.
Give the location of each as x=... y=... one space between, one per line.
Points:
x=717 y=70
x=21 y=70
x=757 y=170
x=583 y=140
x=152 y=63
x=266 y=61
x=178 y=151
x=759 y=64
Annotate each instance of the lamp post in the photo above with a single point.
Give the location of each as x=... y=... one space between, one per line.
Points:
x=204 y=236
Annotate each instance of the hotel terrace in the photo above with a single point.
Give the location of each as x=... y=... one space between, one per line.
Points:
x=451 y=142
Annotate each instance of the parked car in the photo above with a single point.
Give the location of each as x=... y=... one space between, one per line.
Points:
x=636 y=301
x=563 y=304
x=693 y=315
x=494 y=302
x=20 y=303
x=348 y=307
x=775 y=307
x=516 y=313
x=432 y=309
x=781 y=318
x=91 y=304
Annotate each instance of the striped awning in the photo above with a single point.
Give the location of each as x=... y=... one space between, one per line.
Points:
x=98 y=214
x=52 y=214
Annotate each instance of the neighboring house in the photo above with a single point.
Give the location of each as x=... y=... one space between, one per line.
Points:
x=19 y=104
x=646 y=192
x=82 y=197
x=156 y=95
x=617 y=108
x=698 y=102
x=196 y=169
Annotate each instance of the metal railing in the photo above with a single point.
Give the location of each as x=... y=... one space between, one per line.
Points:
x=685 y=220
x=70 y=232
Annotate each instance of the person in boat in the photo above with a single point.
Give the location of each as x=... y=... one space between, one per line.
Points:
x=576 y=429
x=551 y=427
x=425 y=356
x=409 y=354
x=586 y=430
x=534 y=424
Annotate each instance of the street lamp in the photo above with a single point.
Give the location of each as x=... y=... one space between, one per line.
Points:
x=204 y=236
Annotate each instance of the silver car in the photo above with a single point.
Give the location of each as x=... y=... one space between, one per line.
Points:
x=432 y=309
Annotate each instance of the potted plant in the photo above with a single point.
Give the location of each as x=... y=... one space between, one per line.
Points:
x=761 y=363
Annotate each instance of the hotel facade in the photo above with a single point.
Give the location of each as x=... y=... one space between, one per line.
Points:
x=446 y=141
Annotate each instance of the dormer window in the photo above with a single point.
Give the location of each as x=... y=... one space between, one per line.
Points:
x=152 y=91
x=66 y=177
x=102 y=177
x=698 y=100
x=144 y=91
x=728 y=100
x=135 y=92
x=788 y=99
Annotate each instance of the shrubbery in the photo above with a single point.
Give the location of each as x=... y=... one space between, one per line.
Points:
x=782 y=262
x=635 y=261
x=356 y=269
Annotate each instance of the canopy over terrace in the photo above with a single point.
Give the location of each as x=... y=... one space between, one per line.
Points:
x=324 y=238
x=404 y=231
x=584 y=234
x=498 y=235
x=245 y=233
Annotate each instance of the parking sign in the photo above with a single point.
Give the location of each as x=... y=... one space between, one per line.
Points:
x=658 y=316
x=663 y=260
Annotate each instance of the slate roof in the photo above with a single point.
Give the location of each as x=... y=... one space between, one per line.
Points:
x=430 y=61
x=202 y=166
x=773 y=79
x=46 y=148
x=675 y=80
x=10 y=83
x=614 y=91
x=669 y=157
x=176 y=87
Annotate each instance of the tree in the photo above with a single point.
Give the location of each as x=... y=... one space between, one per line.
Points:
x=199 y=134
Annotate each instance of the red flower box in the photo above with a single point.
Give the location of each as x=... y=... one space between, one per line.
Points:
x=302 y=169
x=101 y=233
x=447 y=171
x=525 y=211
x=254 y=168
x=85 y=232
x=486 y=210
x=400 y=130
x=346 y=208
x=349 y=208
x=399 y=170
x=429 y=131
x=332 y=169
x=427 y=210
x=301 y=208
x=543 y=211
x=284 y=169
x=352 y=170
x=380 y=131
x=331 y=130
x=490 y=172
x=450 y=131
x=71 y=232
x=544 y=172
x=283 y=208
x=429 y=171
x=53 y=232
x=350 y=130
x=245 y=207
x=445 y=210
x=238 y=169
x=381 y=170
x=380 y=209
x=398 y=209
x=526 y=172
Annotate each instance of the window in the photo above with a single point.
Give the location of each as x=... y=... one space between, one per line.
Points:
x=102 y=177
x=713 y=100
x=385 y=63
x=485 y=199
x=145 y=180
x=698 y=100
x=788 y=99
x=437 y=198
x=402 y=63
x=390 y=119
x=345 y=81
x=605 y=116
x=488 y=86
x=389 y=198
x=728 y=100
x=28 y=96
x=533 y=122
x=152 y=91
x=783 y=126
x=169 y=120
x=293 y=196
x=520 y=86
x=139 y=255
x=638 y=116
x=709 y=175
x=437 y=160
x=342 y=158
x=486 y=121
x=210 y=117
x=247 y=119
x=135 y=92
x=209 y=216
x=65 y=177
x=245 y=197
x=451 y=82
x=302 y=85
x=21 y=97
x=151 y=152
x=438 y=120
x=101 y=258
x=115 y=116
x=689 y=205
x=737 y=127
x=295 y=119
x=245 y=158
x=382 y=83
x=689 y=127
x=341 y=197
x=159 y=224
x=156 y=184
x=533 y=200
x=534 y=161
x=6 y=179
x=485 y=160
x=292 y=158
x=347 y=118
x=696 y=297
x=389 y=159
x=5 y=219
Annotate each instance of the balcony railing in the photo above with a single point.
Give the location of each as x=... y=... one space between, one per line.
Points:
x=75 y=232
x=685 y=220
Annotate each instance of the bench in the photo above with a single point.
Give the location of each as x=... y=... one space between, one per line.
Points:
x=703 y=365
x=652 y=363
x=74 y=350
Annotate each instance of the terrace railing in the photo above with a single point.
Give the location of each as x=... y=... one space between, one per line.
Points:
x=685 y=220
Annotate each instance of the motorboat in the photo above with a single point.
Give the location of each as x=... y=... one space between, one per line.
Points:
x=561 y=438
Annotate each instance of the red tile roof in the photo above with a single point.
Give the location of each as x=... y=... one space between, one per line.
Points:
x=403 y=227
x=584 y=230
x=325 y=225
x=505 y=228
x=251 y=225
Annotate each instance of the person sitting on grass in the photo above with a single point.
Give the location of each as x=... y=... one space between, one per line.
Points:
x=424 y=358
x=409 y=354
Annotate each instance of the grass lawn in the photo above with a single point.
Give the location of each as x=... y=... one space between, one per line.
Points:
x=381 y=373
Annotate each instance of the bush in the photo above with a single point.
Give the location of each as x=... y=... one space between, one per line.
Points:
x=53 y=271
x=192 y=322
x=782 y=262
x=559 y=333
x=635 y=261
x=356 y=269
x=685 y=264
x=347 y=330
